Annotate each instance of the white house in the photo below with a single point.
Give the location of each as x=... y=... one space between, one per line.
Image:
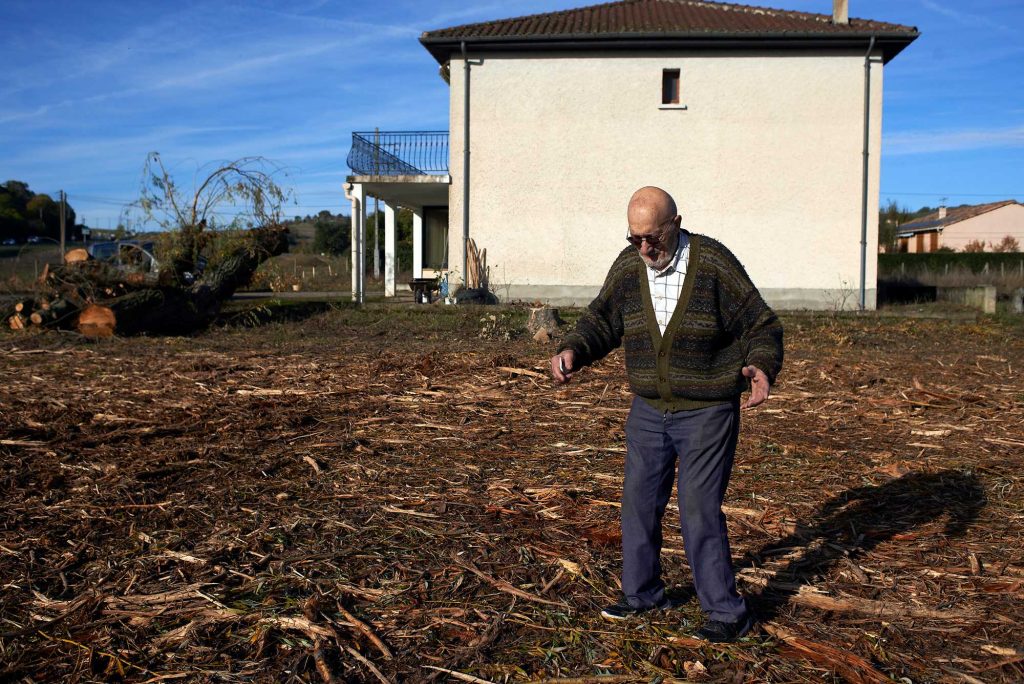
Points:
x=957 y=227
x=765 y=125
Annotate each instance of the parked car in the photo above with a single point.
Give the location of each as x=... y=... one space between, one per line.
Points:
x=128 y=255
x=34 y=239
x=10 y=241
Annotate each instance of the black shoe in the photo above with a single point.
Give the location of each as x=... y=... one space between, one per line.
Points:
x=621 y=610
x=718 y=632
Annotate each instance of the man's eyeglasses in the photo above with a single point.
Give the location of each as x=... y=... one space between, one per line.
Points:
x=654 y=241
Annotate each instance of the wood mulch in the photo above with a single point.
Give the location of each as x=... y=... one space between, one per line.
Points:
x=384 y=496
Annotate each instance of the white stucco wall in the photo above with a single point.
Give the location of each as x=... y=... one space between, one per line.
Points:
x=766 y=157
x=990 y=227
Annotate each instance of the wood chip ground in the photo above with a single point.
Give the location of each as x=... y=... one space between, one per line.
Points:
x=385 y=496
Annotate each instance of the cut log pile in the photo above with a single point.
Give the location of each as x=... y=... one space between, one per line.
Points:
x=99 y=299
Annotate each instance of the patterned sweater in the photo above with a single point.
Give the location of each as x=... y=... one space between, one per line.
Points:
x=720 y=324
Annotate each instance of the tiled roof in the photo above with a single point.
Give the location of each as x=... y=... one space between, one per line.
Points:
x=667 y=17
x=953 y=215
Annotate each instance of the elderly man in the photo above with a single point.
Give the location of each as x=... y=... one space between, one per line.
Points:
x=696 y=333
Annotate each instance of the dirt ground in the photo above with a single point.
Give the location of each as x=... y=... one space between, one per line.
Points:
x=383 y=495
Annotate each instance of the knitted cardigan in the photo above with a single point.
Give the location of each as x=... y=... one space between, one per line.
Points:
x=719 y=325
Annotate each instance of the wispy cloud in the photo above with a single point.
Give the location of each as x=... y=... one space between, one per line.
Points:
x=242 y=67
x=472 y=13
x=10 y=117
x=927 y=142
x=364 y=28
x=963 y=17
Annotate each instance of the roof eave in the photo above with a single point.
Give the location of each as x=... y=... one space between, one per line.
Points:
x=910 y=232
x=889 y=43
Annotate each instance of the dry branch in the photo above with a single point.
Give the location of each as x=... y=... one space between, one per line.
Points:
x=504 y=586
x=365 y=630
x=852 y=668
x=812 y=597
x=462 y=676
x=369 y=665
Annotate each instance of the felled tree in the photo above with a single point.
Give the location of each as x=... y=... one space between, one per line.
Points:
x=245 y=188
x=202 y=261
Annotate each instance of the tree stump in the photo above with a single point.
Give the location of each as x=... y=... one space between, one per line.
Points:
x=545 y=318
x=76 y=255
x=96 y=321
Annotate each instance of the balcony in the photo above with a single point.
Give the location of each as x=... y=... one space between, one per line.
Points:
x=399 y=153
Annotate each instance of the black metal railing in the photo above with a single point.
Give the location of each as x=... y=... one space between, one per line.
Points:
x=399 y=153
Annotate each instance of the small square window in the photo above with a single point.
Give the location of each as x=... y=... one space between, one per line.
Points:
x=669 y=86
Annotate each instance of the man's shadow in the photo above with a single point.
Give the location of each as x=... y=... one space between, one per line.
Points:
x=857 y=520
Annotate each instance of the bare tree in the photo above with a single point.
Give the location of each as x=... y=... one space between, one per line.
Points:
x=226 y=195
x=1007 y=244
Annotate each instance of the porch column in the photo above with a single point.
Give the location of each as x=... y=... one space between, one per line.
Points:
x=417 y=242
x=358 y=242
x=354 y=192
x=390 y=257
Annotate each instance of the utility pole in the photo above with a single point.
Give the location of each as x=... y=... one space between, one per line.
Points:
x=63 y=212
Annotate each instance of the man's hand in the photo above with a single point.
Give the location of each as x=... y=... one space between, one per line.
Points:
x=566 y=360
x=759 y=387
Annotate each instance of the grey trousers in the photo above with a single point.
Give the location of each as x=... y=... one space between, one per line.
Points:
x=704 y=440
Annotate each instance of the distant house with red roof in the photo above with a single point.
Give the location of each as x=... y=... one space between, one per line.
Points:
x=764 y=124
x=956 y=227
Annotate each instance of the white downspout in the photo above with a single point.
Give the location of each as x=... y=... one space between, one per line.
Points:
x=465 y=167
x=864 y=177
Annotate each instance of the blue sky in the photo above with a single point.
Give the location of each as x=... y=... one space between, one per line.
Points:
x=88 y=89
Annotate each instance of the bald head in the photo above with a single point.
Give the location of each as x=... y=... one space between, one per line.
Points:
x=649 y=207
x=652 y=216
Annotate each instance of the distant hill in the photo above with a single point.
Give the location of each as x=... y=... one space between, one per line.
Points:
x=301 y=235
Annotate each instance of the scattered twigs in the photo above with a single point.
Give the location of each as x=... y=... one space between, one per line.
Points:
x=466 y=514
x=318 y=634
x=368 y=663
x=117 y=664
x=502 y=585
x=595 y=679
x=523 y=371
x=460 y=675
x=308 y=627
x=365 y=630
x=812 y=597
x=323 y=667
x=853 y=668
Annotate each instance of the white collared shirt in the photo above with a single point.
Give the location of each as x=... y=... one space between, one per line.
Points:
x=666 y=284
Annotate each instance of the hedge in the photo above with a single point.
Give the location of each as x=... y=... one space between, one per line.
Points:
x=938 y=261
